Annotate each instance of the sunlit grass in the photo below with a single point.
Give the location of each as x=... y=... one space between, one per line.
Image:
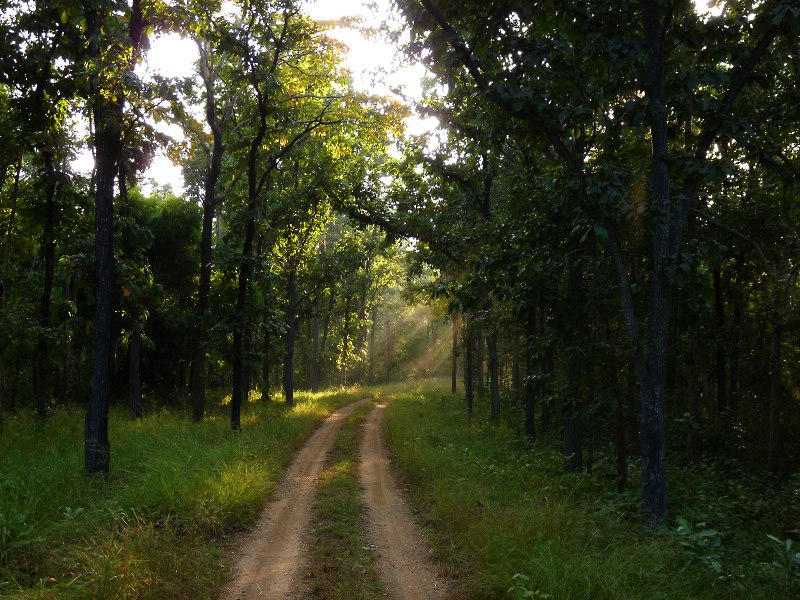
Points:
x=512 y=524
x=157 y=528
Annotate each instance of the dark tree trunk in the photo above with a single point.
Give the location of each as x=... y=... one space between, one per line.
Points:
x=480 y=381
x=247 y=362
x=469 y=366
x=327 y=322
x=573 y=427
x=373 y=329
x=41 y=357
x=199 y=365
x=289 y=339
x=135 y=384
x=494 y=377
x=721 y=358
x=345 y=343
x=107 y=116
x=530 y=369
x=620 y=438
x=693 y=443
x=199 y=359
x=454 y=357
x=516 y=367
x=315 y=357
x=362 y=334
x=4 y=290
x=775 y=399
x=265 y=364
x=667 y=239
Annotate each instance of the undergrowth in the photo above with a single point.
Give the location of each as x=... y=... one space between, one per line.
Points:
x=159 y=526
x=513 y=524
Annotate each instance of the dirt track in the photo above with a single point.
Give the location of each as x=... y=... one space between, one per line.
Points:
x=403 y=559
x=270 y=557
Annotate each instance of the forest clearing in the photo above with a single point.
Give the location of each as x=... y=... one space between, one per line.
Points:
x=515 y=281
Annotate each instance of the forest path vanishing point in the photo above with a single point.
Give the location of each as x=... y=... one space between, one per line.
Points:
x=269 y=559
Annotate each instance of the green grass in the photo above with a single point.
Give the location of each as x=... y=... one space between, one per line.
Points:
x=512 y=525
x=342 y=564
x=160 y=526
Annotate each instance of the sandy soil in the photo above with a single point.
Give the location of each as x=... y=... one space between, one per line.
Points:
x=269 y=557
x=403 y=559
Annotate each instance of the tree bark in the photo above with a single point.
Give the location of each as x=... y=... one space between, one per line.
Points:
x=530 y=369
x=4 y=290
x=41 y=357
x=266 y=364
x=135 y=382
x=775 y=399
x=469 y=367
x=721 y=355
x=290 y=337
x=573 y=426
x=315 y=358
x=494 y=377
x=454 y=357
x=373 y=329
x=107 y=115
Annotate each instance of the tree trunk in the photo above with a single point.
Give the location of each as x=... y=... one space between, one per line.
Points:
x=620 y=437
x=107 y=116
x=265 y=365
x=4 y=290
x=454 y=357
x=775 y=399
x=693 y=448
x=516 y=368
x=373 y=329
x=315 y=357
x=361 y=338
x=721 y=358
x=667 y=239
x=199 y=364
x=247 y=362
x=469 y=366
x=345 y=343
x=530 y=368
x=573 y=426
x=289 y=339
x=494 y=377
x=480 y=381
x=135 y=384
x=41 y=358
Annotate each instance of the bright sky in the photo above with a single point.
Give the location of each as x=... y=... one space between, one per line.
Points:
x=367 y=58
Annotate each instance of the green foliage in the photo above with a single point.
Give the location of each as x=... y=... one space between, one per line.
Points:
x=515 y=524
x=160 y=526
x=702 y=544
x=788 y=563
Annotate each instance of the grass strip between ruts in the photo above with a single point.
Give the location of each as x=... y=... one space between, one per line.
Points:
x=342 y=564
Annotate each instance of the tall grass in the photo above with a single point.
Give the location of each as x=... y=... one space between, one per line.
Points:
x=159 y=527
x=512 y=525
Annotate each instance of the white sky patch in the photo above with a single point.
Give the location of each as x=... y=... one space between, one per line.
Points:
x=375 y=64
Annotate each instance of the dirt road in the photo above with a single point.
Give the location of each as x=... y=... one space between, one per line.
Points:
x=270 y=558
x=403 y=559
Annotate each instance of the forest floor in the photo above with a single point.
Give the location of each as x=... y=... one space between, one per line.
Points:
x=271 y=559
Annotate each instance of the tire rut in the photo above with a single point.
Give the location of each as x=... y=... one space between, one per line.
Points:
x=403 y=559
x=271 y=555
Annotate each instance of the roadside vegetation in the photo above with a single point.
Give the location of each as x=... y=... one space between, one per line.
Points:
x=161 y=524
x=509 y=522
